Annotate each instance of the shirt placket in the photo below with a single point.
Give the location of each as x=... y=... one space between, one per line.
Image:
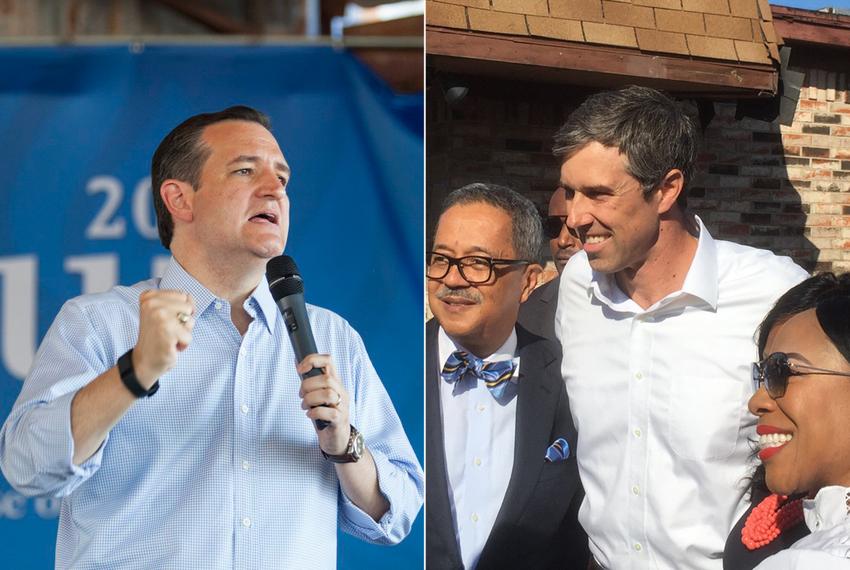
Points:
x=638 y=449
x=480 y=420
x=244 y=456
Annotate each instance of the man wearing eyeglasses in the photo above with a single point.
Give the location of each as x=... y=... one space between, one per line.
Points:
x=538 y=313
x=501 y=476
x=656 y=321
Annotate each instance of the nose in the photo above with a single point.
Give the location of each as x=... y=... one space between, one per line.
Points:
x=565 y=238
x=760 y=403
x=270 y=184
x=454 y=279
x=579 y=208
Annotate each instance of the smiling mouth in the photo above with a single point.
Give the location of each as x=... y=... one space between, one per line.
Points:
x=771 y=441
x=457 y=301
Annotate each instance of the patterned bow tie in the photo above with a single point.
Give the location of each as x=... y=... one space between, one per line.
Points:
x=496 y=375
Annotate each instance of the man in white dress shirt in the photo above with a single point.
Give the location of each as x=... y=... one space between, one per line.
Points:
x=656 y=321
x=502 y=482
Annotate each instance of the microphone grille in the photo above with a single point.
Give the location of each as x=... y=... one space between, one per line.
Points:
x=283 y=277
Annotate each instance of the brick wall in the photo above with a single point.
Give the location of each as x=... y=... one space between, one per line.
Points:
x=782 y=188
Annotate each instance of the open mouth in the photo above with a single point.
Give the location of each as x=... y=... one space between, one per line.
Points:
x=771 y=440
x=593 y=243
x=264 y=217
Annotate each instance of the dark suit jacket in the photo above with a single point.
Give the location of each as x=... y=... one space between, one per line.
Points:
x=537 y=314
x=536 y=527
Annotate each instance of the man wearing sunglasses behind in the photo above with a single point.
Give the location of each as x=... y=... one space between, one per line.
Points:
x=500 y=463
x=656 y=321
x=538 y=313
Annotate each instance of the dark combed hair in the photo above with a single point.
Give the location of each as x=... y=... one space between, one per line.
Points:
x=526 y=226
x=648 y=127
x=181 y=156
x=829 y=295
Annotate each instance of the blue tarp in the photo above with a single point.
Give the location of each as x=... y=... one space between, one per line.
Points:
x=78 y=126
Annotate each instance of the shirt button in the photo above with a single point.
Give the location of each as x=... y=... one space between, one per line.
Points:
x=246 y=522
x=637 y=433
x=481 y=407
x=242 y=351
x=244 y=408
x=478 y=461
x=637 y=547
x=636 y=490
x=246 y=465
x=474 y=517
x=218 y=305
x=638 y=375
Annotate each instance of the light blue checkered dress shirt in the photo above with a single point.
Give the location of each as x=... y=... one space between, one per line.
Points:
x=219 y=469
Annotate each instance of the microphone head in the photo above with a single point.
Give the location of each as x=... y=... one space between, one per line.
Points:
x=283 y=277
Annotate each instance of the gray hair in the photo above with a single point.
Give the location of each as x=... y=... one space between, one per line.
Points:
x=644 y=124
x=526 y=227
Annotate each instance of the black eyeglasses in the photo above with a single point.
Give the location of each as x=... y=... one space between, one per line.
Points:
x=474 y=268
x=775 y=370
x=553 y=225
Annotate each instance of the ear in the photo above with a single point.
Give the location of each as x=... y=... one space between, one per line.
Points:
x=178 y=197
x=669 y=189
x=532 y=272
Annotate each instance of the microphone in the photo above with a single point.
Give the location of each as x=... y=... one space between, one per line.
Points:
x=287 y=290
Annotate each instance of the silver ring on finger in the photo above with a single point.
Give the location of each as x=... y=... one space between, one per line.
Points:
x=183 y=317
x=338 y=400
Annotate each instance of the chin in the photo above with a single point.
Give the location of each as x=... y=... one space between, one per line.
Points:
x=782 y=485
x=457 y=328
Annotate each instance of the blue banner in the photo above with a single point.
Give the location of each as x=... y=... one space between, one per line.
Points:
x=78 y=126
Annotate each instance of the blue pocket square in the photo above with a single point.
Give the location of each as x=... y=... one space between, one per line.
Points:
x=558 y=451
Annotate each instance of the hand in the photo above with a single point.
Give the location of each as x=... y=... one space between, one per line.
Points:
x=161 y=333
x=324 y=398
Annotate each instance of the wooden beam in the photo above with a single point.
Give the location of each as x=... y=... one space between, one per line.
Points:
x=560 y=61
x=806 y=26
x=209 y=17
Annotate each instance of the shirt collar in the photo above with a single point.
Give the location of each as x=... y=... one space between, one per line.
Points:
x=176 y=277
x=447 y=346
x=828 y=509
x=700 y=282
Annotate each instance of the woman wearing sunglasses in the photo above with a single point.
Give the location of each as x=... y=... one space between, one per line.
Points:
x=801 y=492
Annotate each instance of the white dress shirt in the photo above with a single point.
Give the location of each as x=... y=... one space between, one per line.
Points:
x=659 y=398
x=478 y=434
x=828 y=547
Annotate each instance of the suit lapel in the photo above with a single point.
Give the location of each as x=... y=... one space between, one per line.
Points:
x=440 y=525
x=535 y=413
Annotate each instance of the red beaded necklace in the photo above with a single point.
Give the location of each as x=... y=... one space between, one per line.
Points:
x=767 y=521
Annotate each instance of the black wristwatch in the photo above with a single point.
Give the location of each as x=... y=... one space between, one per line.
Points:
x=353 y=452
x=128 y=377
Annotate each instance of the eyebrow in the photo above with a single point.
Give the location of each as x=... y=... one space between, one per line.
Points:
x=480 y=251
x=281 y=166
x=600 y=188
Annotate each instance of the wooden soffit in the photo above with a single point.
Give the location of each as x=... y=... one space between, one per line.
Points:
x=807 y=26
x=535 y=59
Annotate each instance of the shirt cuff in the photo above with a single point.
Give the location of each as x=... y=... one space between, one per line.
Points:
x=392 y=488
x=59 y=440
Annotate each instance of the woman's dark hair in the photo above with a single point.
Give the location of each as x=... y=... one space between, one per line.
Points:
x=829 y=295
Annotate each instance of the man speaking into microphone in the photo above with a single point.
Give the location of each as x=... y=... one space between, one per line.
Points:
x=171 y=416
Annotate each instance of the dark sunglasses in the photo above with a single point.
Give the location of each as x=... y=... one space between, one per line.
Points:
x=553 y=225
x=775 y=370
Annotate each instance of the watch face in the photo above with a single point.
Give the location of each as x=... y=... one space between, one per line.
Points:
x=357 y=445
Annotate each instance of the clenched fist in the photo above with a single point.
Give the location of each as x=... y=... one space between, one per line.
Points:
x=166 y=319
